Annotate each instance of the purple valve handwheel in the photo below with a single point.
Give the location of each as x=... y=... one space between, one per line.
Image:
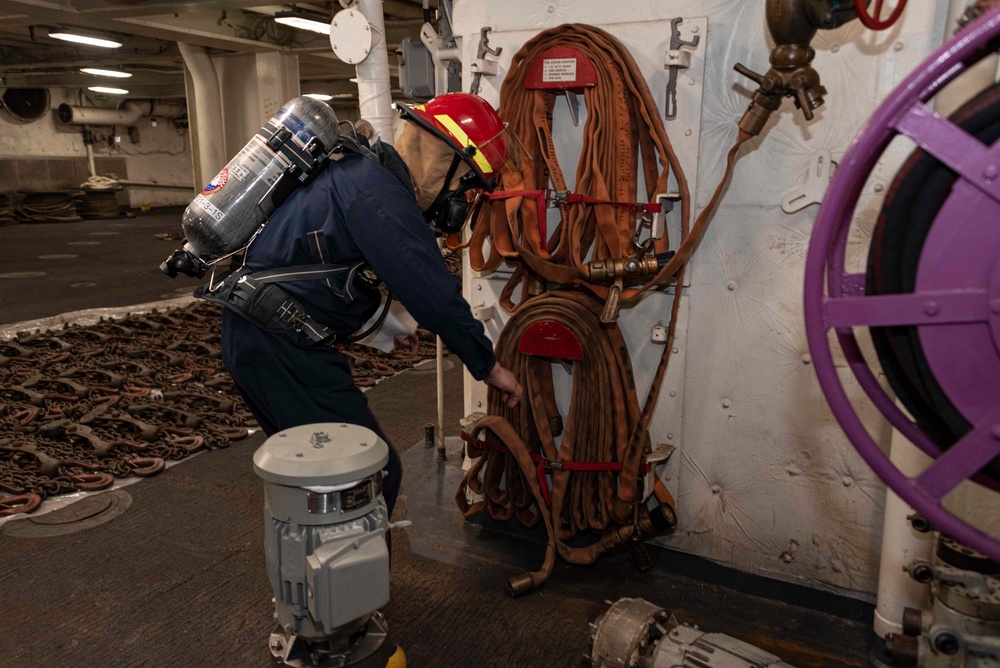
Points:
x=931 y=296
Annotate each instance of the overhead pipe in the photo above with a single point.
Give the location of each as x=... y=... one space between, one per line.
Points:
x=374 y=89
x=207 y=117
x=127 y=114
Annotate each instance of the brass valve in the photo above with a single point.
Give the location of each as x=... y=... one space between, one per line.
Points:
x=793 y=24
x=631 y=270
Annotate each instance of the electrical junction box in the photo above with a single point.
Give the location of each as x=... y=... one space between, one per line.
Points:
x=416 y=70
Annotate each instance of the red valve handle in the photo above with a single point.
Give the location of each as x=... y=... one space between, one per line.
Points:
x=874 y=20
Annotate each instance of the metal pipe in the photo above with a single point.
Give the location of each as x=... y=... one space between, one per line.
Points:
x=207 y=125
x=154 y=184
x=440 y=398
x=374 y=89
x=901 y=544
x=127 y=114
x=90 y=160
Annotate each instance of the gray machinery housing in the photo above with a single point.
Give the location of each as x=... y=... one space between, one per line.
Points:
x=634 y=633
x=961 y=627
x=325 y=523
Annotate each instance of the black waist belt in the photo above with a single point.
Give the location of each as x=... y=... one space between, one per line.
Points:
x=255 y=296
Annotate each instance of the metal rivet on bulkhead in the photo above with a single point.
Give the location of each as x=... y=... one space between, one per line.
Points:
x=879 y=187
x=731 y=286
x=694 y=30
x=716 y=489
x=552 y=9
x=687 y=133
x=991 y=172
x=835 y=48
x=726 y=403
x=995 y=306
x=806 y=358
x=670 y=437
x=932 y=308
x=673 y=393
x=282 y=434
x=899 y=46
x=847 y=481
x=674 y=350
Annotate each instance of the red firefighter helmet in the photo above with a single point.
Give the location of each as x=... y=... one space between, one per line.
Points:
x=471 y=126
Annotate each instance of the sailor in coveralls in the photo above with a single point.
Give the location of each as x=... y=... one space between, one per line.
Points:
x=374 y=211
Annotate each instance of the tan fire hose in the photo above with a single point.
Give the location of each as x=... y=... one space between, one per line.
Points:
x=604 y=423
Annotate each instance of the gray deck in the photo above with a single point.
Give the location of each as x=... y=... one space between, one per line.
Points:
x=179 y=580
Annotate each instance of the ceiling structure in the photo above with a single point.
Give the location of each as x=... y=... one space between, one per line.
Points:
x=150 y=30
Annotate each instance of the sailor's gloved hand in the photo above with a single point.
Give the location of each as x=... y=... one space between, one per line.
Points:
x=407 y=343
x=504 y=380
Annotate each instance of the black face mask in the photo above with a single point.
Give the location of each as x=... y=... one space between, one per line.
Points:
x=449 y=209
x=448 y=215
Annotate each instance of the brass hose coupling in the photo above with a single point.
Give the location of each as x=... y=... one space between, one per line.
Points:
x=630 y=270
x=658 y=521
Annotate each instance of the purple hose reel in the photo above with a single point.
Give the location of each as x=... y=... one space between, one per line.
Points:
x=931 y=296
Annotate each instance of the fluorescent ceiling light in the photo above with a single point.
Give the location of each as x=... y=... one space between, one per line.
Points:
x=117 y=74
x=110 y=91
x=319 y=96
x=85 y=39
x=303 y=20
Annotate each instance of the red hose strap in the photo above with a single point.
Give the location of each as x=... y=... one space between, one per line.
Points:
x=544 y=197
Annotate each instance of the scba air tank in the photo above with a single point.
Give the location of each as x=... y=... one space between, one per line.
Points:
x=290 y=148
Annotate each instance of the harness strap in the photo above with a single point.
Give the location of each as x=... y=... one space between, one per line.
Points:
x=305 y=156
x=266 y=305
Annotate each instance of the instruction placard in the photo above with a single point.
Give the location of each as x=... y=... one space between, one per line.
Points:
x=558 y=69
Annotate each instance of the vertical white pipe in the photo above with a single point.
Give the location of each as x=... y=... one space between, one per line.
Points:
x=900 y=546
x=90 y=160
x=440 y=395
x=374 y=89
x=972 y=82
x=208 y=113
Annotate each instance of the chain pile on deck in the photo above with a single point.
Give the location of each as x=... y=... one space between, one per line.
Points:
x=83 y=405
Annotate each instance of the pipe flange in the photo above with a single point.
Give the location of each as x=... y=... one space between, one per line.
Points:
x=351 y=36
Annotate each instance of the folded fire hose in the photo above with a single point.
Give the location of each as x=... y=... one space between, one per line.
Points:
x=596 y=469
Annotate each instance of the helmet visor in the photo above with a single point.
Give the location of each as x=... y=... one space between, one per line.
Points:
x=504 y=153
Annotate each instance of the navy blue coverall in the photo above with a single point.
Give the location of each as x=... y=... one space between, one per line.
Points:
x=361 y=211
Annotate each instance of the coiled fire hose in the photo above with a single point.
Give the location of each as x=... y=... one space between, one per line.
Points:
x=604 y=428
x=623 y=135
x=586 y=466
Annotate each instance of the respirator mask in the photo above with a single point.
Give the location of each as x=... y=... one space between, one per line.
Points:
x=448 y=211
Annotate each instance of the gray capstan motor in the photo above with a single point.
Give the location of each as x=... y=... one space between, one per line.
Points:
x=634 y=633
x=325 y=543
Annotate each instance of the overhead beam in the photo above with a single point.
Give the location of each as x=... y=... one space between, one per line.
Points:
x=170 y=28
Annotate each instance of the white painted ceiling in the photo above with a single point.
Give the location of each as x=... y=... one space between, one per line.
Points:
x=150 y=30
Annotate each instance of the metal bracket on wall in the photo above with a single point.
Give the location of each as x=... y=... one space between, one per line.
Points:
x=817 y=181
x=482 y=66
x=677 y=59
